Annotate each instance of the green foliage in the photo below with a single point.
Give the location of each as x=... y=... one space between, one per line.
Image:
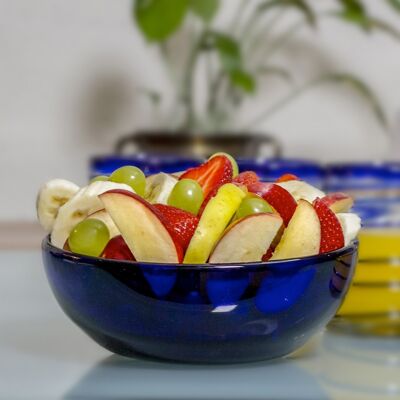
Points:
x=205 y=9
x=300 y=5
x=241 y=55
x=395 y=4
x=158 y=19
x=243 y=80
x=230 y=56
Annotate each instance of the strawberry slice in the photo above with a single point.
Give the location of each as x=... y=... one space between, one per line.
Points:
x=331 y=231
x=117 y=249
x=279 y=198
x=179 y=223
x=286 y=178
x=211 y=174
x=246 y=178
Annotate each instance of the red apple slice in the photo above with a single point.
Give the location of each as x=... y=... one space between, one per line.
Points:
x=142 y=227
x=302 y=237
x=332 y=237
x=279 y=198
x=247 y=239
x=338 y=202
x=117 y=249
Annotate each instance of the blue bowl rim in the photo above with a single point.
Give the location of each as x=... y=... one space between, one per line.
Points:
x=289 y=263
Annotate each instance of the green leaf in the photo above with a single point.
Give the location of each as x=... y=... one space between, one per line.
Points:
x=300 y=5
x=355 y=6
x=158 y=19
x=353 y=11
x=361 y=88
x=275 y=70
x=205 y=9
x=243 y=80
x=368 y=23
x=395 y=4
x=227 y=47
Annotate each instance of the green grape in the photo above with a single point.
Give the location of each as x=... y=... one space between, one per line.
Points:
x=187 y=195
x=89 y=237
x=99 y=178
x=235 y=168
x=132 y=176
x=253 y=205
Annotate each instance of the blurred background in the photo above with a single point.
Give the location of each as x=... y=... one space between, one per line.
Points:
x=75 y=78
x=310 y=87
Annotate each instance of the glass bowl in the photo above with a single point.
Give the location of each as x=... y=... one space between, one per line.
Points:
x=221 y=313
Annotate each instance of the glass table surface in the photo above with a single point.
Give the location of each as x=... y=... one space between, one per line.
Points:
x=43 y=355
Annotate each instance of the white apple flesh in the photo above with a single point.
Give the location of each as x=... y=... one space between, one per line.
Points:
x=143 y=231
x=302 y=236
x=247 y=239
x=302 y=190
x=338 y=202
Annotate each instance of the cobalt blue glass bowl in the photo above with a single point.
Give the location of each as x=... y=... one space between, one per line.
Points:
x=200 y=313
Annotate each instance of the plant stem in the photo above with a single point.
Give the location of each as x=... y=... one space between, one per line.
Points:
x=282 y=103
x=187 y=86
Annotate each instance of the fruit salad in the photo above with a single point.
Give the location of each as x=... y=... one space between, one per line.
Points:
x=209 y=213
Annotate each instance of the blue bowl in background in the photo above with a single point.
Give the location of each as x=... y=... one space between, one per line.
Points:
x=267 y=169
x=200 y=313
x=375 y=188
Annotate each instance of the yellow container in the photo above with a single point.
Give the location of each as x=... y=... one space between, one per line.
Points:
x=373 y=302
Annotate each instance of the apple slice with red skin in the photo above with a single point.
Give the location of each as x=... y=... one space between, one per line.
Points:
x=247 y=239
x=280 y=199
x=332 y=237
x=142 y=227
x=117 y=249
x=302 y=237
x=338 y=202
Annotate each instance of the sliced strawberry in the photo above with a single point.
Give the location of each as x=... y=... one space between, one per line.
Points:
x=287 y=177
x=117 y=249
x=331 y=231
x=180 y=224
x=213 y=173
x=279 y=198
x=246 y=178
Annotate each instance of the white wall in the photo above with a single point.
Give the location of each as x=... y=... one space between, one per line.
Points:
x=64 y=63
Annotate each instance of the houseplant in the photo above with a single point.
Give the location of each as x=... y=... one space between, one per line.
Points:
x=232 y=62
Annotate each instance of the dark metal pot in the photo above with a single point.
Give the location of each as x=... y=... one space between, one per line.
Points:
x=244 y=145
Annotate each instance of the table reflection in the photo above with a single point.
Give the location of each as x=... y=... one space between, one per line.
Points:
x=332 y=366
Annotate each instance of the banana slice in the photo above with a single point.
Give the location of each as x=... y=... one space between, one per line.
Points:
x=159 y=187
x=105 y=217
x=51 y=197
x=84 y=203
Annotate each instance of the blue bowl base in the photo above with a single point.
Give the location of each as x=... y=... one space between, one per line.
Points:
x=210 y=352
